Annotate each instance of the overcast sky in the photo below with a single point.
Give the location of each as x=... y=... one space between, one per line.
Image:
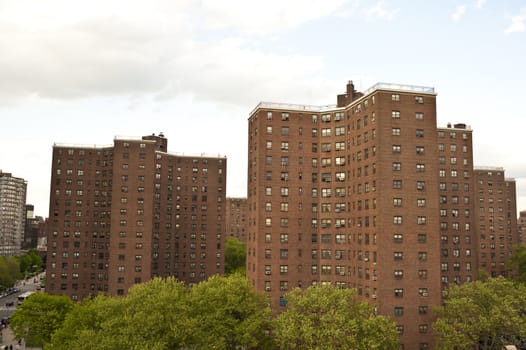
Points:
x=86 y=71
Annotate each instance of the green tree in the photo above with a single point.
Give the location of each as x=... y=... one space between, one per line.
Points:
x=38 y=317
x=152 y=316
x=323 y=317
x=491 y=313
x=235 y=256
x=517 y=263
x=9 y=272
x=30 y=262
x=229 y=314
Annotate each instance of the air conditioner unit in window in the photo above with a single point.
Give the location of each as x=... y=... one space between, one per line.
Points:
x=267 y=289
x=283 y=289
x=374 y=278
x=365 y=259
x=374 y=296
x=267 y=272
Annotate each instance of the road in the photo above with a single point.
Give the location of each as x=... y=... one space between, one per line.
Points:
x=7 y=311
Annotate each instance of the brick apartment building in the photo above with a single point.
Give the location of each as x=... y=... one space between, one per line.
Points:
x=367 y=194
x=236 y=218
x=124 y=213
x=495 y=198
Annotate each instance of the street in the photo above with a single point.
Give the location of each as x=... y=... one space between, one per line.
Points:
x=6 y=311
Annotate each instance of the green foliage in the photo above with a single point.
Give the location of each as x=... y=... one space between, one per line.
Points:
x=229 y=314
x=490 y=312
x=9 y=272
x=221 y=313
x=326 y=317
x=39 y=316
x=517 y=263
x=152 y=316
x=30 y=263
x=235 y=256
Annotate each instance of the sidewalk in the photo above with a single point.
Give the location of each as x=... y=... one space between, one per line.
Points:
x=8 y=339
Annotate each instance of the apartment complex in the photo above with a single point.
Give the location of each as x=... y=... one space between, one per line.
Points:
x=124 y=213
x=521 y=223
x=12 y=213
x=236 y=218
x=458 y=258
x=367 y=194
x=495 y=198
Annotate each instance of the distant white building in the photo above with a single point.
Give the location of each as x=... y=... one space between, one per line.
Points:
x=12 y=213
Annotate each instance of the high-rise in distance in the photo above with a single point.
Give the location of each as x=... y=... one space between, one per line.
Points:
x=125 y=213
x=12 y=213
x=367 y=194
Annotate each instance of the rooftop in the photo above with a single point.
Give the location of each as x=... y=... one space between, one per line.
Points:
x=333 y=107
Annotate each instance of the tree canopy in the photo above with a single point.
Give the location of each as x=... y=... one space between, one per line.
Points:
x=39 y=316
x=517 y=263
x=326 y=317
x=235 y=256
x=491 y=313
x=221 y=313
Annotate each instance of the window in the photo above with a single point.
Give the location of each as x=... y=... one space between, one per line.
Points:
x=397 y=166
x=284 y=131
x=269 y=130
x=420 y=168
x=395 y=114
x=284 y=238
x=419 y=149
x=419 y=133
x=398 y=255
x=284 y=116
x=397 y=202
x=398 y=274
x=397 y=148
x=422 y=256
x=395 y=131
x=420 y=185
x=419 y=99
x=421 y=202
x=397 y=184
x=397 y=220
x=422 y=292
x=398 y=292
x=284 y=145
x=419 y=116
x=339 y=131
x=398 y=311
x=398 y=238
x=395 y=97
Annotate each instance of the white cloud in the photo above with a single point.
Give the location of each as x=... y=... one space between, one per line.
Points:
x=71 y=49
x=480 y=3
x=459 y=12
x=518 y=22
x=263 y=17
x=379 y=12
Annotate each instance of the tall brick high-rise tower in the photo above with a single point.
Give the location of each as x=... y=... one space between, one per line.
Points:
x=125 y=213
x=367 y=194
